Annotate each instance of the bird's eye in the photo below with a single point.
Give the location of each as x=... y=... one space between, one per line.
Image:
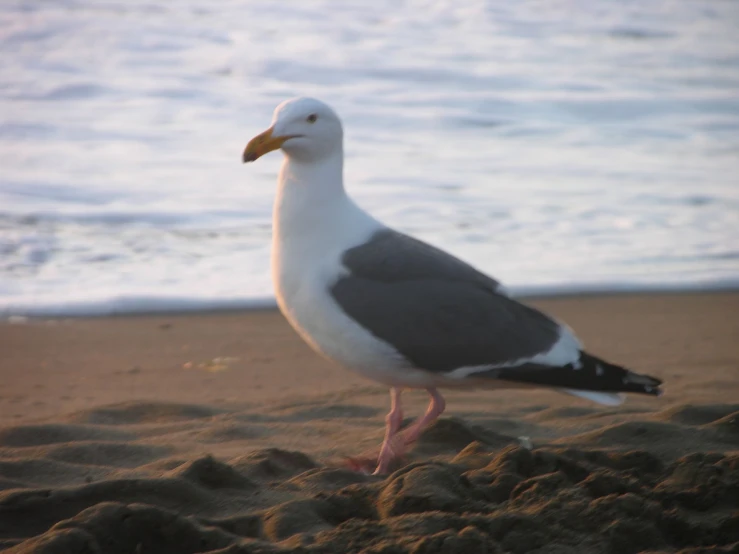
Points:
x=311 y=118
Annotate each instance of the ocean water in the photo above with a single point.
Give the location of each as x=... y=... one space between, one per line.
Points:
x=559 y=145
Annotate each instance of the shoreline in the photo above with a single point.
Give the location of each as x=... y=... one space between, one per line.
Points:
x=174 y=306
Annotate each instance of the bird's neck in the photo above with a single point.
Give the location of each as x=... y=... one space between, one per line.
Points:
x=309 y=195
x=313 y=212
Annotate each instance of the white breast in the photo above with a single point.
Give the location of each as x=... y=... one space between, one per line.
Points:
x=311 y=233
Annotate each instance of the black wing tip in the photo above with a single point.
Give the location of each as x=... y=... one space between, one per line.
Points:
x=590 y=374
x=639 y=383
x=652 y=388
x=630 y=381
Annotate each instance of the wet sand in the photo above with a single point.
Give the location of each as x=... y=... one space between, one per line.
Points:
x=224 y=433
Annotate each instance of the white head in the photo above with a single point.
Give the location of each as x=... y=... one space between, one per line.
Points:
x=306 y=129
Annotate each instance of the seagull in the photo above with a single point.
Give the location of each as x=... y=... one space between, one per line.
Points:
x=395 y=309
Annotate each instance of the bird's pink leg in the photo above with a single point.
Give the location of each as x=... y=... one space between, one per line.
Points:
x=435 y=409
x=388 y=451
x=395 y=443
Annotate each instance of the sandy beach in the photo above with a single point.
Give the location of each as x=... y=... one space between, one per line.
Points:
x=223 y=432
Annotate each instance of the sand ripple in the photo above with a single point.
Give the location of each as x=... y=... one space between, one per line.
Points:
x=135 y=478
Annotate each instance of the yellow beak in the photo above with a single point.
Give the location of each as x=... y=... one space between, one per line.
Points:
x=262 y=144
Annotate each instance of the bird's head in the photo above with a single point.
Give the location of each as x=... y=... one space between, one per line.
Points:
x=306 y=129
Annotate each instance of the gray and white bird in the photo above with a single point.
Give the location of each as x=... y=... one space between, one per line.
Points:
x=395 y=309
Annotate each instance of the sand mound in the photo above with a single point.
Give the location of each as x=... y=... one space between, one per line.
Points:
x=690 y=414
x=34 y=435
x=169 y=478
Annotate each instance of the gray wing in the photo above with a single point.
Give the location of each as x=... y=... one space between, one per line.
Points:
x=437 y=311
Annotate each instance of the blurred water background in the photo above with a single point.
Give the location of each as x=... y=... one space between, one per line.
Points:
x=562 y=146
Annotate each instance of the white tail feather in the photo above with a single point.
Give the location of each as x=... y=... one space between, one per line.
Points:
x=605 y=398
